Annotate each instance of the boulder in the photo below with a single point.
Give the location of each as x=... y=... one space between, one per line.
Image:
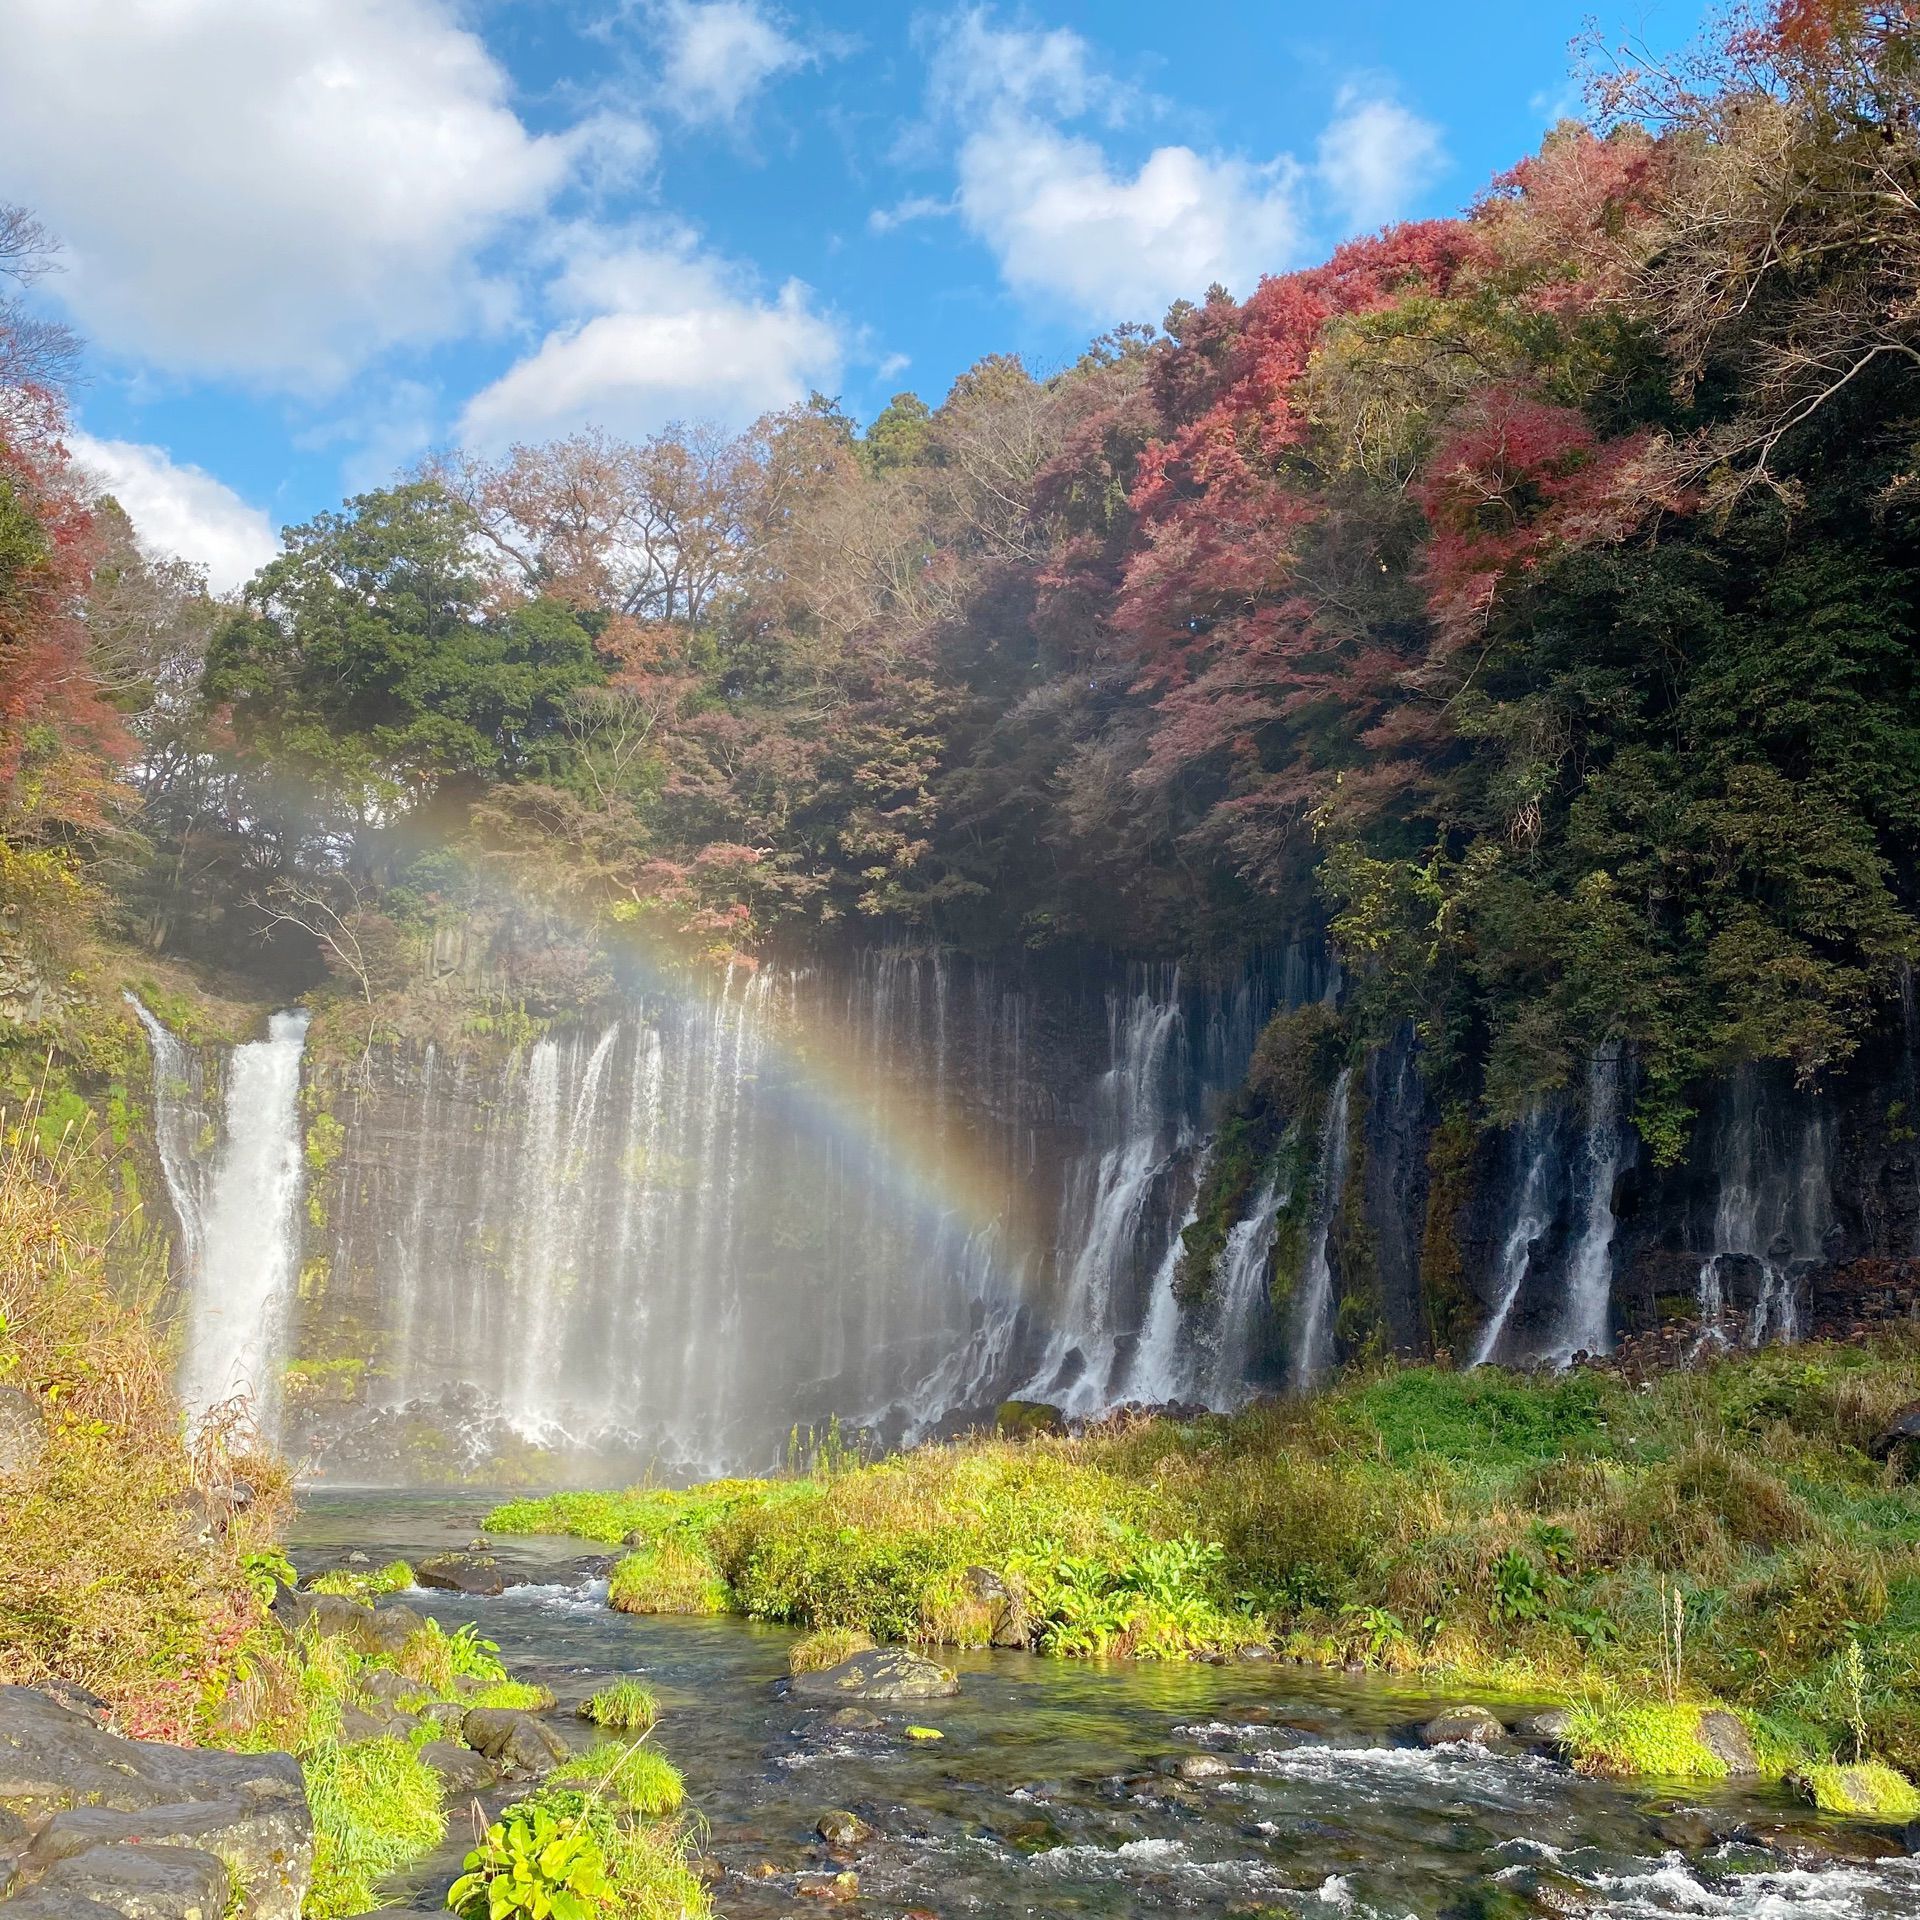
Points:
x=52 y=1757
x=388 y=1629
x=1474 y=1726
x=324 y=1615
x=1547 y=1729
x=58 y=1906
x=882 y=1673
x=357 y=1724
x=1006 y=1620
x=388 y=1688
x=461 y=1770
x=519 y=1742
x=841 y=1830
x=1201 y=1766
x=23 y=1436
x=1725 y=1737
x=478 y=1574
x=143 y=1883
x=1903 y=1430
x=1024 y=1419
x=268 y=1848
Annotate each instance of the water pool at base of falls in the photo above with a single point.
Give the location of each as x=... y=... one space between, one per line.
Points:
x=1053 y=1791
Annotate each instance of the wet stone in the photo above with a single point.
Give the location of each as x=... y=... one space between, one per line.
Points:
x=841 y=1830
x=881 y=1673
x=143 y=1883
x=1473 y=1726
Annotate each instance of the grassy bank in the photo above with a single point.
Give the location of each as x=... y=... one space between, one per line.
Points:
x=127 y=1563
x=1720 y=1536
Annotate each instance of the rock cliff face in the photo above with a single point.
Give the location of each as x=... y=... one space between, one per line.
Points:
x=893 y=1193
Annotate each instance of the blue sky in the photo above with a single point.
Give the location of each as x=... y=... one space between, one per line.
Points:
x=309 y=240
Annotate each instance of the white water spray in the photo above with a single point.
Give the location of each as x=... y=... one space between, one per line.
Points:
x=1313 y=1338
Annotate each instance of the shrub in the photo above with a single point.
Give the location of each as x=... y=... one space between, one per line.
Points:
x=533 y=1863
x=625 y=1705
x=376 y=1806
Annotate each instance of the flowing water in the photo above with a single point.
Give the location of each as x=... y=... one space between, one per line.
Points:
x=1313 y=1332
x=1534 y=1145
x=1586 y=1327
x=1053 y=1791
x=235 y=1189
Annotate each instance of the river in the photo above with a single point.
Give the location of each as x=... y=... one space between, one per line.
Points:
x=1052 y=1791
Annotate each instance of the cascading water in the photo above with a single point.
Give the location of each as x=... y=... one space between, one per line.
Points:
x=1586 y=1325
x=1245 y=1299
x=1313 y=1332
x=1774 y=1207
x=1534 y=1144
x=885 y=1194
x=238 y=1219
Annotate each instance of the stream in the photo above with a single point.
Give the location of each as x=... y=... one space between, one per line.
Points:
x=1052 y=1791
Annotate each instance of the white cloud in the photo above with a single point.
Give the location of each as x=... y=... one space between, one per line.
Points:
x=179 y=510
x=273 y=191
x=1376 y=157
x=653 y=331
x=1069 y=226
x=719 y=53
x=1112 y=246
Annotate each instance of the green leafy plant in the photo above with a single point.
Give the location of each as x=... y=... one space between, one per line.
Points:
x=532 y=1864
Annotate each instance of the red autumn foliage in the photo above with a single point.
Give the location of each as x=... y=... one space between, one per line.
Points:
x=50 y=699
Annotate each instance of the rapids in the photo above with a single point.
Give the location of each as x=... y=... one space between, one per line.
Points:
x=1052 y=1792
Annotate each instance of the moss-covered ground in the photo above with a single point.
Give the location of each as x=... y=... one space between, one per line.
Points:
x=1720 y=1536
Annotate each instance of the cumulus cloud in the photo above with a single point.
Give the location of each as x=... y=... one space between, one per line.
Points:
x=1069 y=226
x=653 y=329
x=1376 y=157
x=180 y=510
x=717 y=54
x=273 y=191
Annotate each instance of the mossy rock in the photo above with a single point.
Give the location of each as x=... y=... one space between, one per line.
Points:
x=1024 y=1419
x=1868 y=1790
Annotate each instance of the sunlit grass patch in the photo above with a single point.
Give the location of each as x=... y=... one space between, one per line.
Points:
x=376 y=1807
x=625 y=1705
x=630 y=1776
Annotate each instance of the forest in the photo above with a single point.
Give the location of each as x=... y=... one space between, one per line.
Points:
x=1524 y=598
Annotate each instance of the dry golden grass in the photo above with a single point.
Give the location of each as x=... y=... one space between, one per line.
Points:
x=119 y=1568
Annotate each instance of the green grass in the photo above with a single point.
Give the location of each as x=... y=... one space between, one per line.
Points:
x=826 y=1647
x=395 y=1577
x=376 y=1807
x=675 y=1575
x=632 y=1777
x=1867 y=1790
x=525 y=1695
x=625 y=1705
x=1517 y=1533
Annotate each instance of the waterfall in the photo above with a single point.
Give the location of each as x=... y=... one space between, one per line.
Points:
x=1773 y=1209
x=1245 y=1298
x=1138 y=1136
x=1532 y=1215
x=1586 y=1326
x=239 y=1247
x=179 y=1119
x=1313 y=1337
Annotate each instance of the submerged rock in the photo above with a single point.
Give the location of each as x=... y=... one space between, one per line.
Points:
x=478 y=1574
x=883 y=1673
x=1201 y=1766
x=1475 y=1726
x=1548 y=1729
x=841 y=1830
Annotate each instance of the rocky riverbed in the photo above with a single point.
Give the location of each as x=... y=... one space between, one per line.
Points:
x=1047 y=1787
